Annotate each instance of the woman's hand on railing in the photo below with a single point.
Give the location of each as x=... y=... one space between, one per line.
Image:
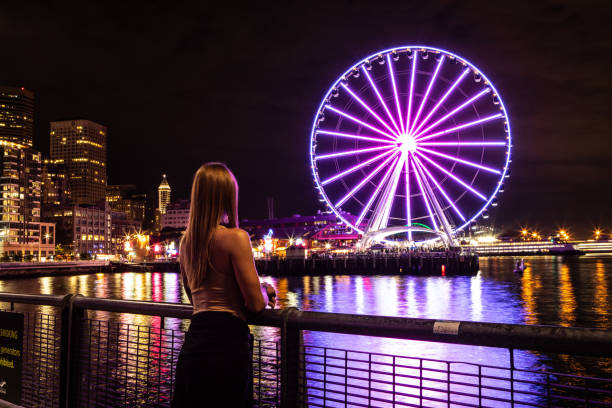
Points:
x=271 y=292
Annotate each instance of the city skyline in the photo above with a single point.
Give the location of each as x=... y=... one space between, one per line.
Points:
x=260 y=104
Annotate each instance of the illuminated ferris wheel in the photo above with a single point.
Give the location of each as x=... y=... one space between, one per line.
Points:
x=411 y=143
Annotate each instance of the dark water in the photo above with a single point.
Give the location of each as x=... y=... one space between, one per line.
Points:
x=566 y=291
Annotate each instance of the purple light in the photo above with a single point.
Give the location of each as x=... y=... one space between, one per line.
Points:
x=418 y=177
x=368 y=108
x=457 y=109
x=357 y=167
x=365 y=180
x=408 y=215
x=457 y=179
x=461 y=143
x=382 y=102
x=397 y=104
x=439 y=188
x=469 y=163
x=431 y=82
x=353 y=136
x=369 y=203
x=462 y=126
x=346 y=115
x=351 y=152
x=448 y=92
x=368 y=157
x=414 y=64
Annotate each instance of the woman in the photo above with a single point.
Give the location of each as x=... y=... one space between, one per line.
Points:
x=220 y=279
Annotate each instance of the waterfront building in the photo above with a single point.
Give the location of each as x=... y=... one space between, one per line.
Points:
x=54 y=185
x=16 y=115
x=125 y=199
x=80 y=145
x=20 y=190
x=320 y=232
x=122 y=225
x=176 y=216
x=84 y=229
x=164 y=195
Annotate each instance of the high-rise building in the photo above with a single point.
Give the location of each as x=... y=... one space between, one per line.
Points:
x=16 y=115
x=163 y=194
x=21 y=232
x=54 y=189
x=80 y=145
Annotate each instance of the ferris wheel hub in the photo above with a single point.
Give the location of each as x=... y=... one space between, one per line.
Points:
x=407 y=143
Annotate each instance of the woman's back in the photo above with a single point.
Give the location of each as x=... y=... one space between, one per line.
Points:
x=220 y=291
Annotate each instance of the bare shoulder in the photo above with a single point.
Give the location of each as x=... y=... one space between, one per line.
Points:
x=232 y=239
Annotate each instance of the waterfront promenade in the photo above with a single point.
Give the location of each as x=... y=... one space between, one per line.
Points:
x=73 y=359
x=552 y=291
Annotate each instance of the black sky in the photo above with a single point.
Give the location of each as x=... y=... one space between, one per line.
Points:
x=179 y=84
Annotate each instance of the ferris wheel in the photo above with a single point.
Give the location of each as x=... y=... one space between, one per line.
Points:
x=411 y=143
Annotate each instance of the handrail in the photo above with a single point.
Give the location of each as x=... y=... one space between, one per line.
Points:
x=46 y=300
x=555 y=339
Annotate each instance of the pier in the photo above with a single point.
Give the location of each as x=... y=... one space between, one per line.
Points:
x=434 y=263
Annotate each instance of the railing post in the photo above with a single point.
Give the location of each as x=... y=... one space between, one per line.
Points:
x=71 y=332
x=290 y=361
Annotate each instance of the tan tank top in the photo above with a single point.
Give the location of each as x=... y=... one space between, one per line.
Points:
x=219 y=293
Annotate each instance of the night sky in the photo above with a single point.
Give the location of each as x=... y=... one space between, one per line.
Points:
x=179 y=85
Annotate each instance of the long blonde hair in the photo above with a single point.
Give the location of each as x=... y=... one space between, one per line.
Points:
x=214 y=195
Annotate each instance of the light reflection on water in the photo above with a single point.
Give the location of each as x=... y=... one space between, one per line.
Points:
x=552 y=290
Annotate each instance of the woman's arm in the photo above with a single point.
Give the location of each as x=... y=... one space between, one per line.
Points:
x=241 y=255
x=185 y=284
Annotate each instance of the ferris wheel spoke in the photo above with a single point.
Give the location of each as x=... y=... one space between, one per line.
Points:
x=364 y=181
x=351 y=152
x=411 y=90
x=458 y=160
x=437 y=105
x=408 y=209
x=459 y=127
x=382 y=102
x=380 y=218
x=354 y=136
x=451 y=175
x=432 y=178
x=425 y=199
x=477 y=143
x=451 y=113
x=424 y=100
x=365 y=105
x=397 y=103
x=375 y=194
x=357 y=167
x=354 y=119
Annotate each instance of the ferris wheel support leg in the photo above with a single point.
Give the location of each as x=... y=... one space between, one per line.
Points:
x=380 y=218
x=449 y=241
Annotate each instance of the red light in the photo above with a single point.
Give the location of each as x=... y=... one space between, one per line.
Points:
x=22 y=88
x=443 y=270
x=157 y=248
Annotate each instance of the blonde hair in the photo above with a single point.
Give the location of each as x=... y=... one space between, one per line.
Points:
x=214 y=195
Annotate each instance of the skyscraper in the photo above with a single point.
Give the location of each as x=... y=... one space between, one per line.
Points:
x=20 y=227
x=163 y=194
x=80 y=145
x=16 y=115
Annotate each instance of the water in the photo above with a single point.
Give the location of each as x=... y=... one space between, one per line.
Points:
x=566 y=291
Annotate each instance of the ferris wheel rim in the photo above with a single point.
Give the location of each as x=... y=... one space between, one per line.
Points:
x=322 y=105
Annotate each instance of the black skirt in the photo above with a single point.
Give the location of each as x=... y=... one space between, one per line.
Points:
x=214 y=366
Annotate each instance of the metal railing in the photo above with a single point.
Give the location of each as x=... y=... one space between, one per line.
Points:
x=73 y=360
